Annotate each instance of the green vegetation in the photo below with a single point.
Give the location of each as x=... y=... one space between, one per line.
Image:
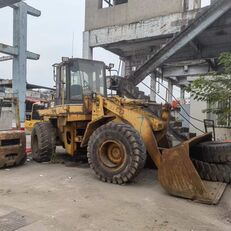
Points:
x=216 y=90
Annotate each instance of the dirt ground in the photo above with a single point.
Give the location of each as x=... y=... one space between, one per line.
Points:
x=47 y=197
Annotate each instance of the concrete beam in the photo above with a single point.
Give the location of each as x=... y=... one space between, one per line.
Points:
x=6 y=58
x=147 y=29
x=13 y=51
x=184 y=71
x=33 y=12
x=4 y=3
x=32 y=56
x=8 y=50
x=181 y=40
x=208 y=52
x=30 y=10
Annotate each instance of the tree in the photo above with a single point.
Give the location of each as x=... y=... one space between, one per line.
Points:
x=215 y=89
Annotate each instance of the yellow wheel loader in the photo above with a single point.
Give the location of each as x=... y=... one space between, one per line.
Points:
x=34 y=116
x=118 y=133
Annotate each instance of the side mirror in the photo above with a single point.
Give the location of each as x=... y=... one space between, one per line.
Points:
x=111 y=65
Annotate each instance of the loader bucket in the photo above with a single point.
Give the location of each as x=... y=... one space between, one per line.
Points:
x=179 y=177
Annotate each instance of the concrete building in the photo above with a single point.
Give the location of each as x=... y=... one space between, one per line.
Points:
x=135 y=30
x=134 y=34
x=175 y=40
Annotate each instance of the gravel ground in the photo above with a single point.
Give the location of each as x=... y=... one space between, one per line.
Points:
x=40 y=197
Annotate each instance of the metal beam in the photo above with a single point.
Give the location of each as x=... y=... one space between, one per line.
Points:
x=4 y=3
x=181 y=40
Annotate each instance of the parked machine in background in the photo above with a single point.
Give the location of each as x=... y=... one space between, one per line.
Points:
x=34 y=116
x=118 y=134
x=12 y=142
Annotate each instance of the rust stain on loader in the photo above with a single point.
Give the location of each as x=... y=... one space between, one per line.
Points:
x=12 y=148
x=179 y=177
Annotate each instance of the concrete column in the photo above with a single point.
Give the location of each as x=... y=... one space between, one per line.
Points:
x=123 y=69
x=192 y=4
x=20 y=60
x=182 y=93
x=153 y=86
x=170 y=92
x=87 y=50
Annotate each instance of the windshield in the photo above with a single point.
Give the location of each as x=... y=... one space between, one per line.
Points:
x=86 y=77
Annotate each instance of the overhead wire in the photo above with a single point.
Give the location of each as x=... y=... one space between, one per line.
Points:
x=179 y=102
x=167 y=102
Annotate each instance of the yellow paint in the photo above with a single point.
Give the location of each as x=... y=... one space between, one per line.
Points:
x=93 y=113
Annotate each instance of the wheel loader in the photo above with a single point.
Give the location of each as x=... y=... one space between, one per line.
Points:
x=117 y=132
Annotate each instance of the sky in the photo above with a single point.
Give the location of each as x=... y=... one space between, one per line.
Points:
x=51 y=36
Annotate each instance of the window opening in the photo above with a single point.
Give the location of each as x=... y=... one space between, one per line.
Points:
x=111 y=3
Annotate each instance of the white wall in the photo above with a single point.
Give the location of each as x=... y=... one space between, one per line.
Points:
x=6 y=119
x=196 y=109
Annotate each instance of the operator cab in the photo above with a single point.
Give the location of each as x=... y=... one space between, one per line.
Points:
x=76 y=78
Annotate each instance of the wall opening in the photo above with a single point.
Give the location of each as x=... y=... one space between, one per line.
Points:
x=111 y=3
x=205 y=3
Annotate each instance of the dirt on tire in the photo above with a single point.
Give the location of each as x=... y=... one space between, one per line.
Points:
x=212 y=152
x=213 y=172
x=134 y=152
x=42 y=142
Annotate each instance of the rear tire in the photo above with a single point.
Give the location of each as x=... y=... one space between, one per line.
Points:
x=116 y=153
x=43 y=142
x=213 y=172
x=212 y=152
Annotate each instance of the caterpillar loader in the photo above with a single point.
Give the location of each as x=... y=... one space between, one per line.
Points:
x=118 y=133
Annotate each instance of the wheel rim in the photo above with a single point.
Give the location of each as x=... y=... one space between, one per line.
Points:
x=113 y=154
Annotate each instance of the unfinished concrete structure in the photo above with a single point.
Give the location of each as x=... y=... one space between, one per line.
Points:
x=175 y=40
x=135 y=30
x=18 y=52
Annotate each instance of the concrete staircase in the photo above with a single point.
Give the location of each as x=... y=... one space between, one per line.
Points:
x=179 y=132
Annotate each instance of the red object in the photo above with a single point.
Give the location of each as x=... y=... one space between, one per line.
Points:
x=28 y=150
x=175 y=104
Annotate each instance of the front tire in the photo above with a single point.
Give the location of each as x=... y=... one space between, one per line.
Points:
x=116 y=153
x=43 y=142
